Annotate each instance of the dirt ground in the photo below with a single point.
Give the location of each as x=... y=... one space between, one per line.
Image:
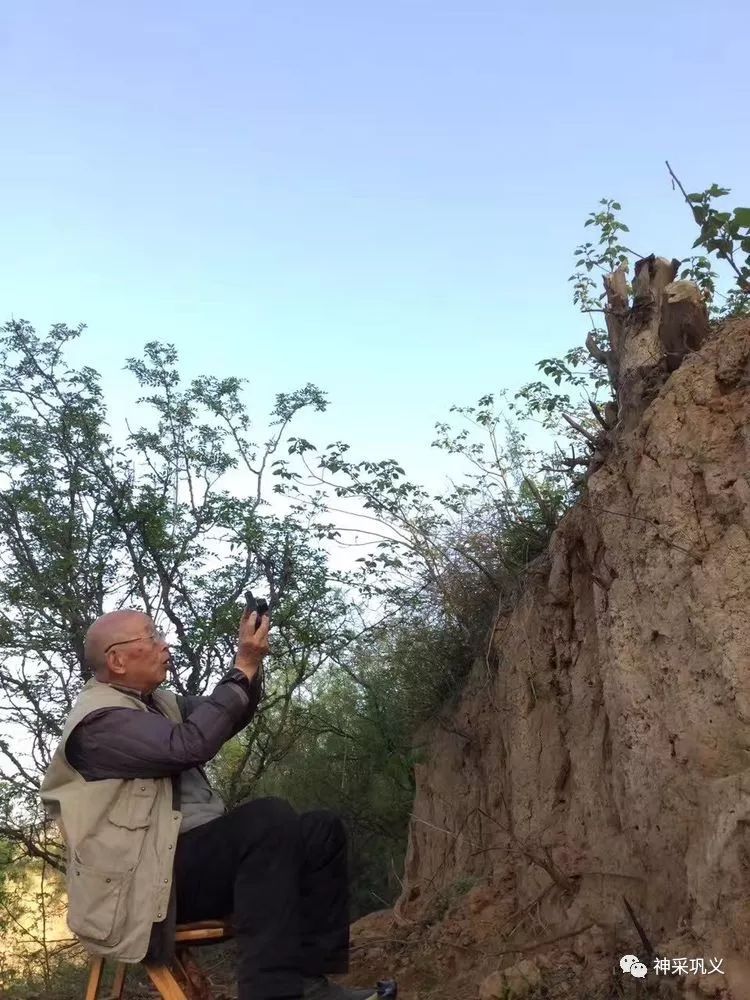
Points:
x=466 y=955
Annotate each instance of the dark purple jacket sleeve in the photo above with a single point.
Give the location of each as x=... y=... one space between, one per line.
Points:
x=123 y=743
x=189 y=703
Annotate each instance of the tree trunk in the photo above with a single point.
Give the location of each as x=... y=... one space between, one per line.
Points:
x=666 y=320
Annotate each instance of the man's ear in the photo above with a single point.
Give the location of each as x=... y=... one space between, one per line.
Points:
x=115 y=665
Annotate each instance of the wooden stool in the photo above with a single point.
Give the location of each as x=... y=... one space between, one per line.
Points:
x=190 y=983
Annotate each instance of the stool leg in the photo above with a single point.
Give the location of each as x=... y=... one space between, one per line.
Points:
x=96 y=969
x=165 y=982
x=118 y=985
x=197 y=978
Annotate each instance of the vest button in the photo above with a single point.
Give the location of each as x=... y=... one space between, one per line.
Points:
x=170 y=847
x=159 y=915
x=143 y=788
x=108 y=880
x=166 y=881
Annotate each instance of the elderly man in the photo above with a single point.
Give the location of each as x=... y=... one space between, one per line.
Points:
x=149 y=842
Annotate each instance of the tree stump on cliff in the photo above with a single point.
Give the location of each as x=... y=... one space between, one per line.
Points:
x=650 y=336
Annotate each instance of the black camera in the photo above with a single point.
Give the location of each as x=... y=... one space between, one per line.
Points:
x=251 y=604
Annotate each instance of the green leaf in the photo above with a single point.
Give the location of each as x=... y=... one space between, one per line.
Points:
x=742 y=217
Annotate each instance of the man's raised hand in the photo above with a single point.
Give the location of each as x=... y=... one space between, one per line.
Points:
x=252 y=642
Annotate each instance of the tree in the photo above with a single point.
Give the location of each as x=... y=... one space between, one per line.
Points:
x=458 y=551
x=84 y=529
x=649 y=326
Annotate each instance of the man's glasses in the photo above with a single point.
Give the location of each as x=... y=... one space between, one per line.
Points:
x=155 y=637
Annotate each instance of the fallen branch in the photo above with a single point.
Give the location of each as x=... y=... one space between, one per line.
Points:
x=540 y=944
x=641 y=933
x=373 y=941
x=521 y=948
x=520 y=914
x=629 y=878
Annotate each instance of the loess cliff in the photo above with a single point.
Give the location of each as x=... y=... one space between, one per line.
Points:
x=601 y=750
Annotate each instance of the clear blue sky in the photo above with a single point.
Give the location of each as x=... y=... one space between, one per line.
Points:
x=381 y=198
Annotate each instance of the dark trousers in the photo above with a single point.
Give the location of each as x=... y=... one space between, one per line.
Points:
x=283 y=878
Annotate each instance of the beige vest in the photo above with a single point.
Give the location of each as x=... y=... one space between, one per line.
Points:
x=120 y=836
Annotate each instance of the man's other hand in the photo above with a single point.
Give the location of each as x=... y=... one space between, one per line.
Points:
x=252 y=643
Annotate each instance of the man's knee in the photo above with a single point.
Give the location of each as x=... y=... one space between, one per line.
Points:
x=323 y=827
x=272 y=814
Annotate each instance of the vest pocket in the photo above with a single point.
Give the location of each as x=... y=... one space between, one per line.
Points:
x=96 y=902
x=134 y=804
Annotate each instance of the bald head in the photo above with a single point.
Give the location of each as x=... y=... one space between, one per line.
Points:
x=115 y=626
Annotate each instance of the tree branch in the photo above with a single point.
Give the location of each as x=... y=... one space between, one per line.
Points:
x=581 y=430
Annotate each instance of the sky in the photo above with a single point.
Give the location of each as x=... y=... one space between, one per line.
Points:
x=379 y=198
